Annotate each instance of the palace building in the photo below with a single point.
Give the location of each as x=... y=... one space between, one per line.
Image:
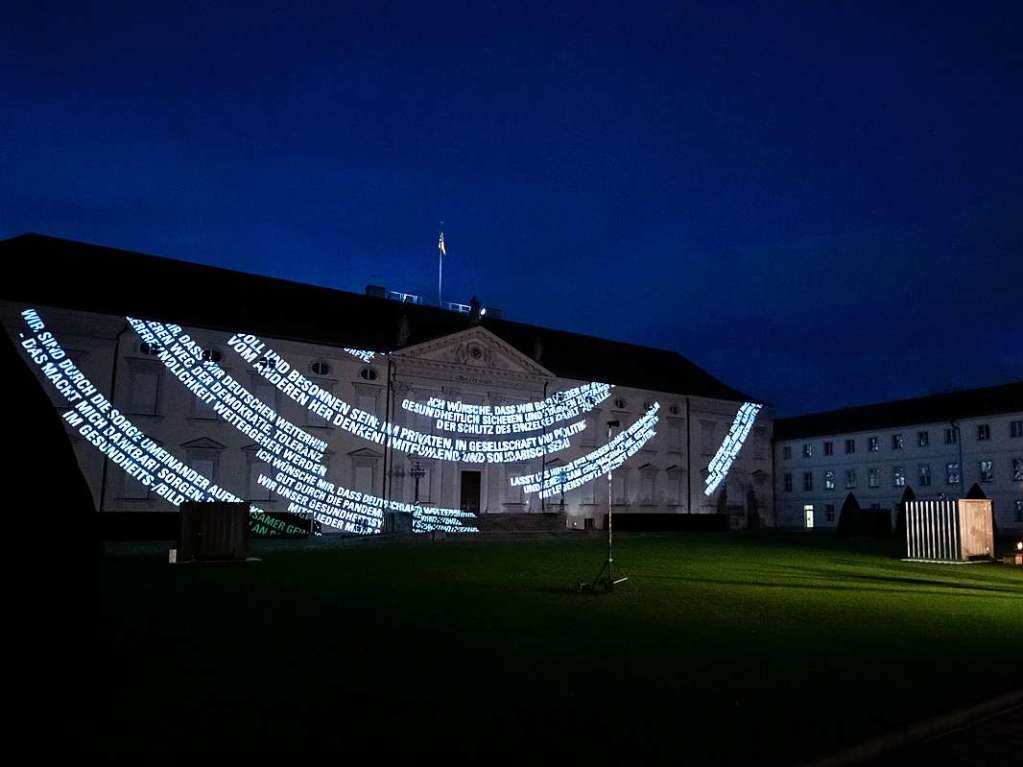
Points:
x=178 y=381
x=939 y=446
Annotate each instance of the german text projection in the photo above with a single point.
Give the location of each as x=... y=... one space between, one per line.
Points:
x=296 y=456
x=292 y=383
x=296 y=470
x=730 y=447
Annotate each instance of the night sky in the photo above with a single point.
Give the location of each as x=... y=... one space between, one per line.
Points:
x=820 y=203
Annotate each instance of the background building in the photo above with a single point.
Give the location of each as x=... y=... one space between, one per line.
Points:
x=374 y=353
x=940 y=446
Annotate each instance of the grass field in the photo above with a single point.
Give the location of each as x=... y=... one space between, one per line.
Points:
x=720 y=648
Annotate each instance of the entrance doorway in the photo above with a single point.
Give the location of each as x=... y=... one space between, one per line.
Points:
x=808 y=516
x=470 y=495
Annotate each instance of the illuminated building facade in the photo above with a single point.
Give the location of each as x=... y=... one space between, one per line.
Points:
x=939 y=446
x=358 y=408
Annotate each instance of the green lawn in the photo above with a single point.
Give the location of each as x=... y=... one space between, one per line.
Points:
x=774 y=646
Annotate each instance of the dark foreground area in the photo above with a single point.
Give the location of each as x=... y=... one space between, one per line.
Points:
x=720 y=648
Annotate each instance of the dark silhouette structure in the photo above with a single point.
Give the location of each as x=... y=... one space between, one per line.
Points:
x=52 y=561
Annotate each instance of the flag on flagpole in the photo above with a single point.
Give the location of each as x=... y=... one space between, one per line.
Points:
x=440 y=245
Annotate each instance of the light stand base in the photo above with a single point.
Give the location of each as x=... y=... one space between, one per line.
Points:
x=604 y=581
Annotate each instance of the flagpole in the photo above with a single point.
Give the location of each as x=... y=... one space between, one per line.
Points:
x=440 y=267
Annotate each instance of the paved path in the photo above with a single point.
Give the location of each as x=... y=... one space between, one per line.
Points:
x=993 y=740
x=988 y=733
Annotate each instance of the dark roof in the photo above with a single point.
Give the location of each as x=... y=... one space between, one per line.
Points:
x=76 y=275
x=971 y=403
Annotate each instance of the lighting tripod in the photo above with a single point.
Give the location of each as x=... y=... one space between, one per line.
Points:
x=605 y=580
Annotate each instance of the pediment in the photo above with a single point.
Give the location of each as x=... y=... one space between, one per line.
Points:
x=252 y=449
x=476 y=347
x=203 y=443
x=365 y=452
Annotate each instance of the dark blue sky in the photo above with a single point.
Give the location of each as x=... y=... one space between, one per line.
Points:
x=820 y=203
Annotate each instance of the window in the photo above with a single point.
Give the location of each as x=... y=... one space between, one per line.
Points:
x=316 y=419
x=1019 y=511
x=952 y=475
x=896 y=442
x=212 y=355
x=983 y=432
x=203 y=409
x=898 y=476
x=850 y=478
x=320 y=367
x=807 y=481
x=786 y=452
x=923 y=438
x=708 y=445
x=256 y=491
x=590 y=434
x=362 y=477
x=620 y=403
x=873 y=444
x=829 y=512
x=1015 y=429
x=674 y=486
x=368 y=374
x=1017 y=469
x=987 y=473
x=262 y=389
x=133 y=490
x=675 y=434
x=829 y=480
x=874 y=477
x=951 y=436
x=647 y=485
x=829 y=448
x=620 y=487
x=925 y=474
x=807 y=450
x=150 y=350
x=788 y=483
x=203 y=455
x=207 y=467
x=367 y=398
x=850 y=446
x=144 y=383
